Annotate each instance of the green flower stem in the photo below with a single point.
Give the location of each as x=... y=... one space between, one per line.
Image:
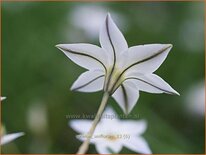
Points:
x=85 y=145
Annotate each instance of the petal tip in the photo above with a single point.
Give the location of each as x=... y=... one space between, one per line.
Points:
x=72 y=88
x=21 y=134
x=70 y=123
x=177 y=93
x=127 y=111
x=174 y=92
x=61 y=47
x=58 y=46
x=108 y=17
x=3 y=98
x=169 y=45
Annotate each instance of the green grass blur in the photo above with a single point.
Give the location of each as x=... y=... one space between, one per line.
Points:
x=36 y=76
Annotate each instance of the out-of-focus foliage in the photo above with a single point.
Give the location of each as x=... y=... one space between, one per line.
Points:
x=36 y=77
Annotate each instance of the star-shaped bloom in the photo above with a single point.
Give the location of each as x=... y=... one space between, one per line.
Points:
x=117 y=69
x=9 y=137
x=112 y=133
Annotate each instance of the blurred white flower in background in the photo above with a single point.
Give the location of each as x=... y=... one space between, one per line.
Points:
x=195 y=100
x=37 y=117
x=89 y=18
x=112 y=134
x=4 y=139
x=37 y=120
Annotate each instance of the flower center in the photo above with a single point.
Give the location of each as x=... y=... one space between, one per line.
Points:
x=113 y=80
x=112 y=138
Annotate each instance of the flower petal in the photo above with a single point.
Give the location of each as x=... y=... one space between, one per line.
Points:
x=147 y=58
x=109 y=111
x=10 y=137
x=89 y=81
x=129 y=126
x=111 y=39
x=102 y=148
x=137 y=144
x=107 y=147
x=80 y=126
x=126 y=96
x=85 y=55
x=115 y=147
x=151 y=83
x=109 y=117
x=3 y=98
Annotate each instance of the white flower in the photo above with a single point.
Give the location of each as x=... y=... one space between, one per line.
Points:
x=79 y=18
x=119 y=70
x=112 y=133
x=80 y=15
x=195 y=99
x=9 y=137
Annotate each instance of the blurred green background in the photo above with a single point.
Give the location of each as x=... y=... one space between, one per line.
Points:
x=36 y=76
